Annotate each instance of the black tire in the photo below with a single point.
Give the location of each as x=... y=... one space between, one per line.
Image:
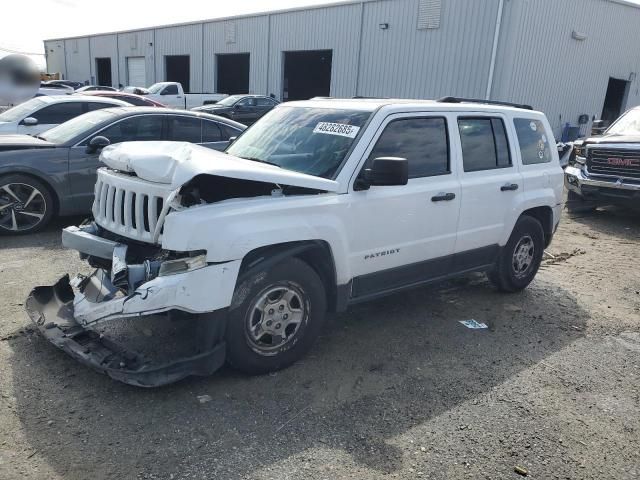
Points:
x=505 y=275
x=254 y=355
x=577 y=204
x=28 y=214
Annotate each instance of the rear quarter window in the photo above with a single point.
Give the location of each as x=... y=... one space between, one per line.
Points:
x=533 y=141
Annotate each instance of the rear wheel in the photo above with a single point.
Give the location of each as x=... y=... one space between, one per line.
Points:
x=275 y=316
x=520 y=258
x=26 y=206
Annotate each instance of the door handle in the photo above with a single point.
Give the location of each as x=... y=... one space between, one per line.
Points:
x=443 y=197
x=509 y=187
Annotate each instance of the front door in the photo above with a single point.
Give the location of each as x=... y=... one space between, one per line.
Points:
x=490 y=181
x=83 y=162
x=404 y=235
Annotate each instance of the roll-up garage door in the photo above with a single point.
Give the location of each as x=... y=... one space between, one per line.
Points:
x=136 y=72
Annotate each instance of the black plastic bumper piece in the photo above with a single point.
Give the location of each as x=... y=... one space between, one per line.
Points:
x=51 y=310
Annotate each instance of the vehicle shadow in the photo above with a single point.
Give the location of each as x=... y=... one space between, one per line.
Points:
x=613 y=221
x=376 y=372
x=49 y=237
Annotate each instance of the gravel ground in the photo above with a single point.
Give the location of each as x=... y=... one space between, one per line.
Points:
x=397 y=388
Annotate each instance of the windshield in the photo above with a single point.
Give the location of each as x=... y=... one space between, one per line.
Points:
x=314 y=141
x=228 y=101
x=21 y=111
x=70 y=129
x=628 y=124
x=156 y=87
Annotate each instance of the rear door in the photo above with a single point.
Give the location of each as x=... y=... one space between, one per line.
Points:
x=403 y=235
x=83 y=164
x=245 y=111
x=490 y=182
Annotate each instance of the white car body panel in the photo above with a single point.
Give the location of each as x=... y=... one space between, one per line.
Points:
x=183 y=100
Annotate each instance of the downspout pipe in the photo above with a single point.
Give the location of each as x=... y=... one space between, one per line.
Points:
x=494 y=51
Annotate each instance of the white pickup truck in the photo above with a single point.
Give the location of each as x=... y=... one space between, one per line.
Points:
x=173 y=95
x=321 y=204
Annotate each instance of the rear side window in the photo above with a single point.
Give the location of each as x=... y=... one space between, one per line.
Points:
x=91 y=106
x=534 y=144
x=265 y=102
x=59 y=112
x=422 y=141
x=185 y=129
x=484 y=143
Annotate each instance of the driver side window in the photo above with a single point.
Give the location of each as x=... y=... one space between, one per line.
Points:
x=424 y=142
x=143 y=128
x=170 y=90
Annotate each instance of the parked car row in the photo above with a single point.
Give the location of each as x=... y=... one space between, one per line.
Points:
x=54 y=173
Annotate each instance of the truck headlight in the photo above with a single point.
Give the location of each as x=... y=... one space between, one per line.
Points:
x=182 y=265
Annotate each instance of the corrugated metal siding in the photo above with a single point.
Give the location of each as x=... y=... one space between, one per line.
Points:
x=77 y=59
x=541 y=64
x=104 y=46
x=330 y=28
x=250 y=37
x=54 y=52
x=405 y=61
x=183 y=40
x=136 y=44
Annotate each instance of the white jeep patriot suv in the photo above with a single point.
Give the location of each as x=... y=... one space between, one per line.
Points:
x=321 y=204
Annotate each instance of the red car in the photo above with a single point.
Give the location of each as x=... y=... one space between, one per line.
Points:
x=133 y=99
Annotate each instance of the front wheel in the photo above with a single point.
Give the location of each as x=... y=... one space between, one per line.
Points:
x=26 y=206
x=520 y=258
x=275 y=316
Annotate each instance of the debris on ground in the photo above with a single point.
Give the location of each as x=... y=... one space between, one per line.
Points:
x=473 y=324
x=521 y=470
x=204 y=398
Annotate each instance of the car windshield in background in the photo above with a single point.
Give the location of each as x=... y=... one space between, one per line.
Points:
x=156 y=87
x=228 y=101
x=628 y=124
x=308 y=140
x=70 y=129
x=20 y=111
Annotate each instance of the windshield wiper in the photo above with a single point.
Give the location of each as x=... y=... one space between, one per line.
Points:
x=254 y=159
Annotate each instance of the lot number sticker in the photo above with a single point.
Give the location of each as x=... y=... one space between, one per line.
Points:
x=341 y=129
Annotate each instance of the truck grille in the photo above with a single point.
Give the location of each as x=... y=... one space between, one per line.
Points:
x=614 y=162
x=127 y=205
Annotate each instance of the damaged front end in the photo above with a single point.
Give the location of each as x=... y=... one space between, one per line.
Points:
x=170 y=307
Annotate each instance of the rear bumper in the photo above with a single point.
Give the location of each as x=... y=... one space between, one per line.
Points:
x=51 y=310
x=600 y=189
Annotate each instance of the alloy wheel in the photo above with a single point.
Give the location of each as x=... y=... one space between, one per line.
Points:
x=22 y=207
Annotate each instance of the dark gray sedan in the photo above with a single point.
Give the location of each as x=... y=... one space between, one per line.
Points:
x=55 y=172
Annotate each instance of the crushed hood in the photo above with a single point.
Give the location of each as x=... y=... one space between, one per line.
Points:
x=176 y=163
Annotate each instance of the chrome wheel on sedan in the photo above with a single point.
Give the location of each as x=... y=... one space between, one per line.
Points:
x=25 y=205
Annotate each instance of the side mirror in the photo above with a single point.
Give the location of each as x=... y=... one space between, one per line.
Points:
x=97 y=143
x=385 y=171
x=232 y=139
x=30 y=121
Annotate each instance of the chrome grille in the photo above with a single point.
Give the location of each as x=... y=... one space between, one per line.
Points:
x=127 y=205
x=614 y=162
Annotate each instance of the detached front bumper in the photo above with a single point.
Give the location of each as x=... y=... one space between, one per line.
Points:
x=51 y=310
x=74 y=316
x=599 y=188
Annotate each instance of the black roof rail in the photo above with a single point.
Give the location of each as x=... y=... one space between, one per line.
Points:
x=487 y=102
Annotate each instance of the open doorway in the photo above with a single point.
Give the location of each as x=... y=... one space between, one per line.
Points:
x=307 y=74
x=232 y=72
x=103 y=71
x=177 y=70
x=614 y=100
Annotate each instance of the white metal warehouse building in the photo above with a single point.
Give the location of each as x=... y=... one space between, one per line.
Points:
x=565 y=57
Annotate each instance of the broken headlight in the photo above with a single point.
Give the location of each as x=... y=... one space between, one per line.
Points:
x=182 y=265
x=579 y=154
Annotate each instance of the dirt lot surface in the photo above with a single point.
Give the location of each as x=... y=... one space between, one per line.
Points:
x=397 y=388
